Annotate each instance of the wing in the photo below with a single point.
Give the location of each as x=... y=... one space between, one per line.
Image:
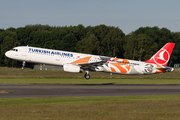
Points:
x=91 y=66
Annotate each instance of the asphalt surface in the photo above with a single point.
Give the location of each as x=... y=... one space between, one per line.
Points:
x=57 y=90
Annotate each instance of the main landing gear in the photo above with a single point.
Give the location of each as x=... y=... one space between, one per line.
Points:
x=23 y=64
x=87 y=76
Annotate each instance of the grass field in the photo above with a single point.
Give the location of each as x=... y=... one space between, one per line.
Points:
x=148 y=107
x=30 y=73
x=30 y=76
x=161 y=107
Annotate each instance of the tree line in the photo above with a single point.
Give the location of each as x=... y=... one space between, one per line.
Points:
x=104 y=40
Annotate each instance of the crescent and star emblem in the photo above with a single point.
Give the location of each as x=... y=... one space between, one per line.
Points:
x=162 y=57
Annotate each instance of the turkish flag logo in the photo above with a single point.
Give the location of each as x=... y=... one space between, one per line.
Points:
x=162 y=57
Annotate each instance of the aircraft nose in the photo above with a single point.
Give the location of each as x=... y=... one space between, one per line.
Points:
x=7 y=54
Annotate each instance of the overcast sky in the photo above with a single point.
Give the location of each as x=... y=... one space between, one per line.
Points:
x=128 y=15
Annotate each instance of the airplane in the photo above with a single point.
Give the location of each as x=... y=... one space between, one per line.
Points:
x=78 y=62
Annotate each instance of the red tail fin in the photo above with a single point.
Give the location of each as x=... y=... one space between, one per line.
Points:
x=163 y=55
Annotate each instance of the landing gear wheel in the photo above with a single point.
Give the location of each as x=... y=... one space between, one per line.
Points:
x=23 y=64
x=87 y=76
x=22 y=68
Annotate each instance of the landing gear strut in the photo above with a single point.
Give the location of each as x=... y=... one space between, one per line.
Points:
x=87 y=76
x=23 y=64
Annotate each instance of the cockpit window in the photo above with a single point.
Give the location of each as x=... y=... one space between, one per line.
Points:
x=15 y=50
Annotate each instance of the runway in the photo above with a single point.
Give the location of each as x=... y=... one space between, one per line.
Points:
x=59 y=90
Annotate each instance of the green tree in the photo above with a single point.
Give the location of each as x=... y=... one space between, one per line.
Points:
x=139 y=47
x=112 y=43
x=146 y=47
x=8 y=43
x=130 y=46
x=141 y=44
x=175 y=54
x=88 y=45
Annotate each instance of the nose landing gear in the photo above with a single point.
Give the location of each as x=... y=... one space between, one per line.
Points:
x=23 y=64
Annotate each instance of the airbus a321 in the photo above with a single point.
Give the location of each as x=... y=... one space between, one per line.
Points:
x=79 y=62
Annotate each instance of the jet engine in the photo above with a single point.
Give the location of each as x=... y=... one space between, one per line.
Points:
x=71 y=68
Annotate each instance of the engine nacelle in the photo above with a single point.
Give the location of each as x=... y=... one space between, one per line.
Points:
x=71 y=68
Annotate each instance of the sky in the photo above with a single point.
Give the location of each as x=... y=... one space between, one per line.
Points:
x=127 y=15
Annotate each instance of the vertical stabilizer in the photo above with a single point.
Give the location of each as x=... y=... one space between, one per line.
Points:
x=163 y=55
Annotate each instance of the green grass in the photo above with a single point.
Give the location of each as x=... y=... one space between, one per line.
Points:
x=150 y=107
x=3 y=91
x=92 y=108
x=17 y=73
x=30 y=76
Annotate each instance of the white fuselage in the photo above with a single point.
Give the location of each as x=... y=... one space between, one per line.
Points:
x=61 y=58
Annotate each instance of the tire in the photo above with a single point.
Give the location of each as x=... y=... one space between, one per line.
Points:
x=87 y=76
